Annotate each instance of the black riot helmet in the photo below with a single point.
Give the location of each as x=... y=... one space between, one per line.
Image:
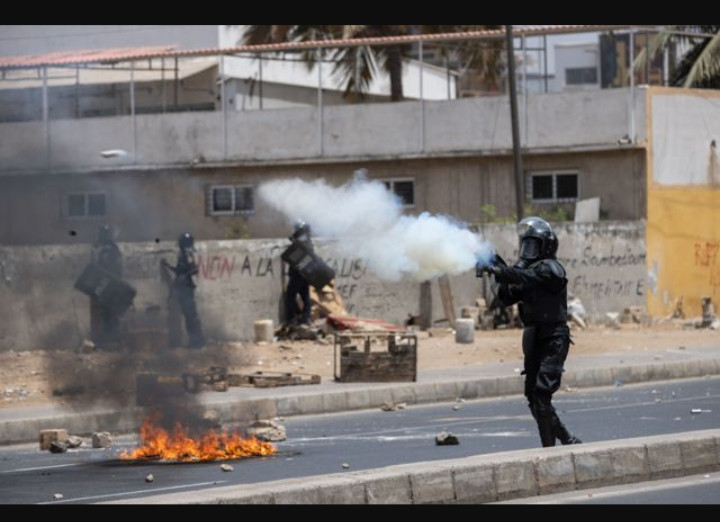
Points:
x=537 y=240
x=186 y=240
x=106 y=235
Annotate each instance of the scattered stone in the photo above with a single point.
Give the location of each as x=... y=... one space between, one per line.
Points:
x=613 y=320
x=569 y=389
x=696 y=411
x=101 y=439
x=460 y=399
x=401 y=405
x=267 y=430
x=47 y=437
x=446 y=439
x=617 y=383
x=58 y=447
x=681 y=348
x=87 y=346
x=345 y=465
x=74 y=441
x=456 y=407
x=658 y=399
x=285 y=347
x=226 y=467
x=149 y=478
x=388 y=406
x=57 y=496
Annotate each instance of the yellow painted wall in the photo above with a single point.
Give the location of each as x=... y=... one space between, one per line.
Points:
x=683 y=242
x=683 y=227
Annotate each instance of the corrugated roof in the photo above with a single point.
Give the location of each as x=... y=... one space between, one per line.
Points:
x=123 y=54
x=144 y=53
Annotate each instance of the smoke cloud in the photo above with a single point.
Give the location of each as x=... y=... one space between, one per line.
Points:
x=367 y=221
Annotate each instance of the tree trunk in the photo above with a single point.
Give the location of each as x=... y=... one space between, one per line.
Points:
x=394 y=67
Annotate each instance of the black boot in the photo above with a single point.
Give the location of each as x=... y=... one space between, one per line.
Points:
x=562 y=434
x=545 y=428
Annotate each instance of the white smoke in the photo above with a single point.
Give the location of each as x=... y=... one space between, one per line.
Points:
x=367 y=221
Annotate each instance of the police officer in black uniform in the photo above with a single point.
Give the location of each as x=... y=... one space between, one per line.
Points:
x=297 y=284
x=104 y=319
x=183 y=288
x=538 y=283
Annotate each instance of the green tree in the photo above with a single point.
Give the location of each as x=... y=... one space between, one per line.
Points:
x=699 y=66
x=357 y=66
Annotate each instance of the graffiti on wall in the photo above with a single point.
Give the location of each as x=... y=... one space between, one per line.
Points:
x=619 y=272
x=706 y=258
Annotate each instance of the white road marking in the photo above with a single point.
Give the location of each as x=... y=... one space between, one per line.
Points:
x=127 y=493
x=42 y=467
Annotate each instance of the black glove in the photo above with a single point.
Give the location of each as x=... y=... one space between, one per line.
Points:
x=498 y=261
x=480 y=269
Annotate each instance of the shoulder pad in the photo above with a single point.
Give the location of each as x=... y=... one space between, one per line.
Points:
x=553 y=265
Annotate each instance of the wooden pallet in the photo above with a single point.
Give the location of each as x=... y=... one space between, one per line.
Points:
x=272 y=379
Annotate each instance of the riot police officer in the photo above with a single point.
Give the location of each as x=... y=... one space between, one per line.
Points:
x=104 y=319
x=538 y=283
x=183 y=288
x=297 y=284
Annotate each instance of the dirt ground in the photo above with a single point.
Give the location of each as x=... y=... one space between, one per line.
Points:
x=74 y=377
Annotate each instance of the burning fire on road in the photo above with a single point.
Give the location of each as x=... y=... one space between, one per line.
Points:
x=178 y=446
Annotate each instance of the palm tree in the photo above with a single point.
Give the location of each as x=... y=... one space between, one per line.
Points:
x=700 y=65
x=357 y=66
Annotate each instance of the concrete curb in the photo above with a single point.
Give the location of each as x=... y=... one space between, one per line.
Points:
x=294 y=403
x=484 y=478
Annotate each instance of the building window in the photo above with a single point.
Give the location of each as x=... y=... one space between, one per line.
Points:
x=581 y=76
x=228 y=200
x=553 y=187
x=86 y=205
x=403 y=189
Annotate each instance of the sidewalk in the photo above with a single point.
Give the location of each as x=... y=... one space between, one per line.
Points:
x=241 y=404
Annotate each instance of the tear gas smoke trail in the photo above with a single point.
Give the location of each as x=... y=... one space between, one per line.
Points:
x=367 y=221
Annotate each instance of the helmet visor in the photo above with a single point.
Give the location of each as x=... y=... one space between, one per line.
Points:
x=530 y=248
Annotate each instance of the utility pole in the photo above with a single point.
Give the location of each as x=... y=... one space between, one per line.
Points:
x=517 y=157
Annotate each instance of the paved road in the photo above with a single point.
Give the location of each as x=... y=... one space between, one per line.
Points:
x=693 y=489
x=319 y=445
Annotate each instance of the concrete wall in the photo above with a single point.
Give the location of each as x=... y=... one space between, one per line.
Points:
x=684 y=200
x=163 y=203
x=554 y=121
x=241 y=281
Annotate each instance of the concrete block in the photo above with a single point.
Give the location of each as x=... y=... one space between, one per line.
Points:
x=675 y=370
x=432 y=487
x=288 y=406
x=593 y=467
x=585 y=378
x=698 y=455
x=446 y=391
x=638 y=373
x=344 y=493
x=515 y=479
x=389 y=489
x=620 y=373
x=308 y=404
x=404 y=394
x=264 y=331
x=425 y=393
x=665 y=458
x=488 y=387
x=297 y=495
x=555 y=473
x=510 y=385
x=570 y=378
x=694 y=368
x=101 y=439
x=248 y=499
x=358 y=400
x=49 y=436
x=379 y=395
x=333 y=402
x=474 y=484
x=630 y=464
x=602 y=376
x=467 y=389
x=465 y=331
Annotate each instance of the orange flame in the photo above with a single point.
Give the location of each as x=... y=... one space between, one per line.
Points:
x=159 y=444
